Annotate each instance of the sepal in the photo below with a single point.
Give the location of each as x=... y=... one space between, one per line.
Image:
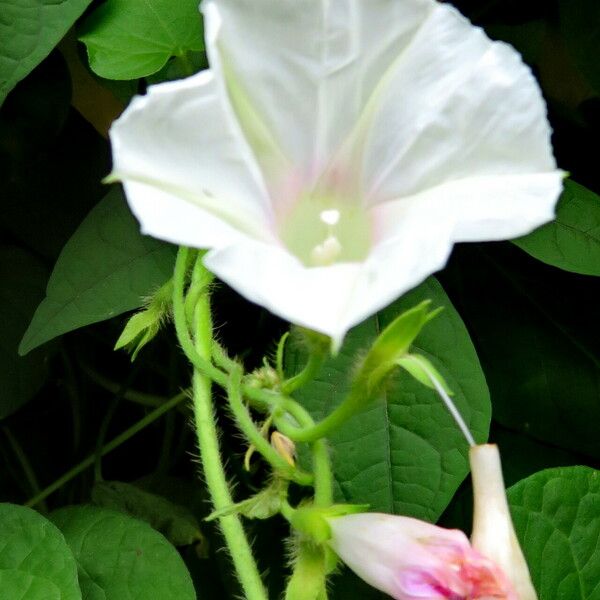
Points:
x=143 y=326
x=423 y=371
x=392 y=344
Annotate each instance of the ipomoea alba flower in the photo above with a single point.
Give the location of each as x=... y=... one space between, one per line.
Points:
x=336 y=150
x=414 y=560
x=493 y=532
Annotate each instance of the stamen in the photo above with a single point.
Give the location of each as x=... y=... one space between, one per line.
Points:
x=327 y=252
x=330 y=217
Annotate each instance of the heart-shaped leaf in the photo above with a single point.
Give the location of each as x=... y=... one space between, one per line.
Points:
x=122 y=558
x=29 y=29
x=35 y=561
x=127 y=39
x=557 y=517
x=572 y=241
x=403 y=454
x=105 y=269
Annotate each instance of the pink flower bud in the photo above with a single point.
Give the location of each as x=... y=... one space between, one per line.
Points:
x=413 y=560
x=493 y=532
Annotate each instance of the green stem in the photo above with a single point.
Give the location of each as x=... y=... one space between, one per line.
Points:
x=25 y=465
x=102 y=436
x=312 y=367
x=323 y=483
x=206 y=429
x=186 y=63
x=109 y=447
x=221 y=359
x=117 y=388
x=308 y=580
x=200 y=363
x=280 y=352
x=354 y=402
x=244 y=421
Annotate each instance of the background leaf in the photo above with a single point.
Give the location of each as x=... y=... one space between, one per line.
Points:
x=177 y=523
x=35 y=561
x=29 y=29
x=122 y=558
x=572 y=241
x=105 y=269
x=127 y=39
x=404 y=454
x=23 y=280
x=557 y=518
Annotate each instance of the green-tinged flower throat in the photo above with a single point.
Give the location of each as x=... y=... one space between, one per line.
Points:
x=321 y=232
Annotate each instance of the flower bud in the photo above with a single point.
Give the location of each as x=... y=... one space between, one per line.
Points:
x=493 y=532
x=414 y=560
x=284 y=446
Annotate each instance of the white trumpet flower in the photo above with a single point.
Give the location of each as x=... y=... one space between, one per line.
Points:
x=336 y=150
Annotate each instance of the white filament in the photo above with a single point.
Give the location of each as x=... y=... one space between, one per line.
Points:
x=452 y=408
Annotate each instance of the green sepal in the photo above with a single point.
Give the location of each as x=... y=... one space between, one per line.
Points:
x=422 y=370
x=312 y=521
x=267 y=503
x=143 y=326
x=393 y=343
x=139 y=330
x=314 y=341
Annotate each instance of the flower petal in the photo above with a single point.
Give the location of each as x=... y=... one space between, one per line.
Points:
x=398 y=554
x=478 y=208
x=308 y=65
x=456 y=106
x=334 y=298
x=188 y=174
x=272 y=277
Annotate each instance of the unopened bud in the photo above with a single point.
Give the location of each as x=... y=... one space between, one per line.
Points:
x=409 y=559
x=284 y=446
x=265 y=377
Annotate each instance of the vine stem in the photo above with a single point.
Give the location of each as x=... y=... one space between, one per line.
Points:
x=108 y=447
x=244 y=421
x=206 y=428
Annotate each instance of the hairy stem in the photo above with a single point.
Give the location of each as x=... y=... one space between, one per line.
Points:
x=206 y=428
x=245 y=423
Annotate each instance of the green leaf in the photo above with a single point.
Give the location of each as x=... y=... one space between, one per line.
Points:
x=29 y=29
x=580 y=26
x=127 y=39
x=122 y=558
x=557 y=518
x=572 y=241
x=35 y=561
x=174 y=521
x=403 y=454
x=105 y=269
x=23 y=279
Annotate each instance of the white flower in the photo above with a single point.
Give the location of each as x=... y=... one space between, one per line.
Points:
x=336 y=150
x=493 y=533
